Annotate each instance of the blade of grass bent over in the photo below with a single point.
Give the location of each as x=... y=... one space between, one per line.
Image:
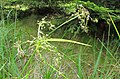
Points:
x=65 y=40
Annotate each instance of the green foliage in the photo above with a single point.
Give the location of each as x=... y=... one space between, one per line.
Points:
x=48 y=58
x=69 y=7
x=101 y=11
x=43 y=57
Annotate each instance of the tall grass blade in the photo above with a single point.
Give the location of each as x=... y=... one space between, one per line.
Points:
x=69 y=41
x=80 y=73
x=3 y=66
x=114 y=26
x=108 y=51
x=97 y=62
x=27 y=64
x=63 y=24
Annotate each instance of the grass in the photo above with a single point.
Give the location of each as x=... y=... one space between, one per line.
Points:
x=24 y=57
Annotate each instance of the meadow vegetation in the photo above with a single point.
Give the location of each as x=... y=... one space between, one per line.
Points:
x=63 y=43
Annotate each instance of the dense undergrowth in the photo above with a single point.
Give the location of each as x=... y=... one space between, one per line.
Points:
x=37 y=58
x=89 y=16
x=39 y=47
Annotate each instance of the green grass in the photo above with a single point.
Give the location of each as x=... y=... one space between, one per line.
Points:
x=24 y=57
